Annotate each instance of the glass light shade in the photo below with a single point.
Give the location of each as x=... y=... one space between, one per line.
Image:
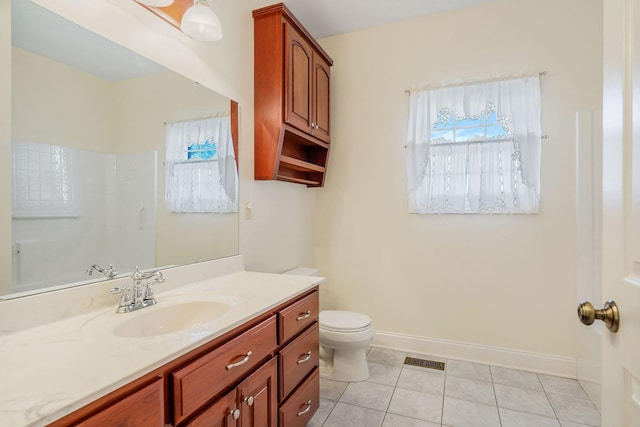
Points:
x=201 y=23
x=156 y=3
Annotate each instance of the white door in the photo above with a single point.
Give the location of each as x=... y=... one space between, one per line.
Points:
x=621 y=211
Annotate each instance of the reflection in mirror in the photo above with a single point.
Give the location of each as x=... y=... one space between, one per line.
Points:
x=91 y=123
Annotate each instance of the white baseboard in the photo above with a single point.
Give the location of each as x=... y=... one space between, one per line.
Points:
x=515 y=359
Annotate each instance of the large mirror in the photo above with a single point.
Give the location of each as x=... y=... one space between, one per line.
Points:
x=93 y=180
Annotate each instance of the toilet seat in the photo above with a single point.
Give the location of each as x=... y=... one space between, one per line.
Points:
x=344 y=321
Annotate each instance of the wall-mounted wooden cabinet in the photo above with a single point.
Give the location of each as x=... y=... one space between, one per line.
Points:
x=292 y=93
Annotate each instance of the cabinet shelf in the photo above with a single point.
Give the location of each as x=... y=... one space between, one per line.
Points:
x=299 y=165
x=307 y=182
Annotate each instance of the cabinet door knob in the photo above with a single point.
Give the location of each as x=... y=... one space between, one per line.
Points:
x=307 y=409
x=234 y=413
x=249 y=400
x=244 y=360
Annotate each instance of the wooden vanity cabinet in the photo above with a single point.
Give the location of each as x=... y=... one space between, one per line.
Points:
x=292 y=91
x=262 y=373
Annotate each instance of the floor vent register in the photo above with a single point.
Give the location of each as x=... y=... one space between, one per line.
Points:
x=424 y=363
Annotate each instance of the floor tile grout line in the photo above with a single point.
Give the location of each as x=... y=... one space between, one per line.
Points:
x=495 y=395
x=389 y=404
x=548 y=400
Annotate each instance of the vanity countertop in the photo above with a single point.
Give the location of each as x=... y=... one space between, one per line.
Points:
x=52 y=370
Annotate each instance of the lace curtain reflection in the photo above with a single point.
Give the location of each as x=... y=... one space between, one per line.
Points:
x=475 y=148
x=201 y=172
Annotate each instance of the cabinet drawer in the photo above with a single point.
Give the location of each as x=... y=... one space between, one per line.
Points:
x=144 y=408
x=298 y=316
x=301 y=406
x=297 y=359
x=198 y=382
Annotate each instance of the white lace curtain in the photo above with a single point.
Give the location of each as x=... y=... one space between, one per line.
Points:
x=196 y=185
x=481 y=173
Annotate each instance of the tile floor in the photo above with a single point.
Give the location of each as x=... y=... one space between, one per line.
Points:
x=464 y=395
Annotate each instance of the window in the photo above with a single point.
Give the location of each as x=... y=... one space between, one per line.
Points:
x=475 y=148
x=201 y=172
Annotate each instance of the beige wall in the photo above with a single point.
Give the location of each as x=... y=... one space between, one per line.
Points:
x=76 y=111
x=500 y=281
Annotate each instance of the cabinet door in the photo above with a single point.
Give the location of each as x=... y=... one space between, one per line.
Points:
x=320 y=98
x=219 y=414
x=299 y=62
x=257 y=397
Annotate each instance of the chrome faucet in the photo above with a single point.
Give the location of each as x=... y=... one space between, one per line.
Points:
x=109 y=272
x=140 y=295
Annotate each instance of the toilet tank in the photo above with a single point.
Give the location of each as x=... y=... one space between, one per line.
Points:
x=303 y=271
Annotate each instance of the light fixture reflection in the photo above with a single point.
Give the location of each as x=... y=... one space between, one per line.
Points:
x=156 y=3
x=201 y=23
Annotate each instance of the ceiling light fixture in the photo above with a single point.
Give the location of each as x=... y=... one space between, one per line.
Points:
x=156 y=3
x=200 y=22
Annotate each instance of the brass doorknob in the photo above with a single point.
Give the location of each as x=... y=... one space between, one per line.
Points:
x=609 y=314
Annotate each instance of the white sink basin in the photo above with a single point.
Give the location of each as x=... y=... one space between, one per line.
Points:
x=173 y=318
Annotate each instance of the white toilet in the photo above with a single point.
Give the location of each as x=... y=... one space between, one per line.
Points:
x=344 y=339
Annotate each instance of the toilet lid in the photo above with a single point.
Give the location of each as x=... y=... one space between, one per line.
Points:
x=339 y=320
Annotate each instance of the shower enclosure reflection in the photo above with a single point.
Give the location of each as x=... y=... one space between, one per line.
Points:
x=74 y=208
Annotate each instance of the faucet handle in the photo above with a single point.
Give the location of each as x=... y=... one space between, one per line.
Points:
x=125 y=299
x=138 y=275
x=149 y=297
x=110 y=272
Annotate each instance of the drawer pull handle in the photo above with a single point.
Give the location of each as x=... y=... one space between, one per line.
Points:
x=234 y=413
x=306 y=357
x=305 y=410
x=249 y=400
x=244 y=360
x=304 y=315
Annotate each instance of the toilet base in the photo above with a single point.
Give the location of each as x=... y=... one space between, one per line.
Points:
x=348 y=366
